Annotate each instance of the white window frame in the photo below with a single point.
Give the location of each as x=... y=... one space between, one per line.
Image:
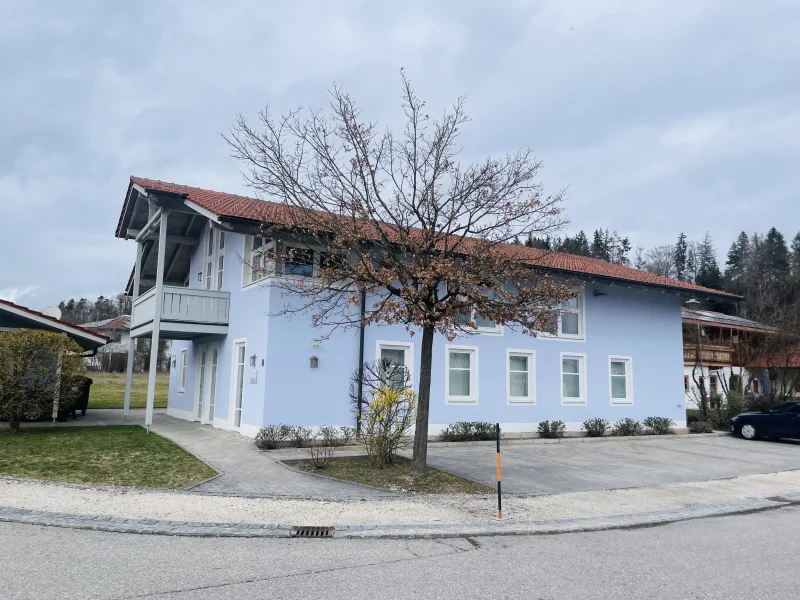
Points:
x=273 y=270
x=184 y=354
x=407 y=347
x=582 y=372
x=234 y=364
x=568 y=337
x=219 y=260
x=531 y=356
x=473 y=375
x=209 y=256
x=628 y=400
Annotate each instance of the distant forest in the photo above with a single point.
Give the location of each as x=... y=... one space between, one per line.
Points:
x=88 y=311
x=761 y=267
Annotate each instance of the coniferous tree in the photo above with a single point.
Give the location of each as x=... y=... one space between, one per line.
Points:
x=680 y=257
x=708 y=273
x=736 y=265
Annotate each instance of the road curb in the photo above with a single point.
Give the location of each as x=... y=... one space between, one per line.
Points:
x=409 y=531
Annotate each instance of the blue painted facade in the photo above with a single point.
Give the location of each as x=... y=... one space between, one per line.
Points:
x=644 y=326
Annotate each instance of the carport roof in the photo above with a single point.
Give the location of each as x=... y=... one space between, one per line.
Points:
x=86 y=338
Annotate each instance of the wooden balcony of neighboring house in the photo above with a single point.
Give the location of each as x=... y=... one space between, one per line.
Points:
x=185 y=313
x=709 y=355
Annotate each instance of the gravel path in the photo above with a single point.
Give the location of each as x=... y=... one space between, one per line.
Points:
x=144 y=504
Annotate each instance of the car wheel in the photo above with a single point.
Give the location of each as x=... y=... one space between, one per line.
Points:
x=748 y=431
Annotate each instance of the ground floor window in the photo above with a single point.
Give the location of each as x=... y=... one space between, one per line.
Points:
x=396 y=361
x=238 y=381
x=182 y=371
x=573 y=378
x=621 y=379
x=521 y=366
x=461 y=382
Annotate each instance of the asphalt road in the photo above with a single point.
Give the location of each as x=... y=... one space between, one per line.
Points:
x=747 y=556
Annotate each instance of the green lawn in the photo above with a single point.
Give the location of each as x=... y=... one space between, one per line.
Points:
x=108 y=390
x=125 y=455
x=395 y=477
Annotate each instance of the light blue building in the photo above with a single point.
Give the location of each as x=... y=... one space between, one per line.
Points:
x=235 y=365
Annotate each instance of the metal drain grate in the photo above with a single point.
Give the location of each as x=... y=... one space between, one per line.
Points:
x=307 y=531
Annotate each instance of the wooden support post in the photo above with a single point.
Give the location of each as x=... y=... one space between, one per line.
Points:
x=159 y=302
x=137 y=277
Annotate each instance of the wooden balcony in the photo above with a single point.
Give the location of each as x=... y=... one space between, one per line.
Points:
x=185 y=313
x=712 y=356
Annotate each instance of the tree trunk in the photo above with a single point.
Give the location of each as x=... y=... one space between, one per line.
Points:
x=420 y=457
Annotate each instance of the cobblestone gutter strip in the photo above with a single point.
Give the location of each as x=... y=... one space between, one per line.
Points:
x=411 y=531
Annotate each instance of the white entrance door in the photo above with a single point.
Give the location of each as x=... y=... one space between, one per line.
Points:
x=207 y=363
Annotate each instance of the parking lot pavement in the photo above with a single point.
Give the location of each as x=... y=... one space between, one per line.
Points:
x=576 y=467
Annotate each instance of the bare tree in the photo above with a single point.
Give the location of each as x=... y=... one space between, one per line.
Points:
x=411 y=236
x=660 y=260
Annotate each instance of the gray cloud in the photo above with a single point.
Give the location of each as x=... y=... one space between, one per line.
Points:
x=661 y=116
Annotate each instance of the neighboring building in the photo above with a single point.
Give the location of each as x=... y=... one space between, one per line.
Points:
x=723 y=352
x=236 y=366
x=111 y=357
x=14 y=316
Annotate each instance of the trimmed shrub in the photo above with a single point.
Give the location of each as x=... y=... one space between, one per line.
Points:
x=595 y=427
x=627 y=426
x=301 y=436
x=469 y=431
x=552 y=429
x=274 y=436
x=660 y=425
x=701 y=427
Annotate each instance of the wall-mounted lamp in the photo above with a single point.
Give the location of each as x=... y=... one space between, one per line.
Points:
x=313 y=362
x=200 y=276
x=253 y=360
x=597 y=293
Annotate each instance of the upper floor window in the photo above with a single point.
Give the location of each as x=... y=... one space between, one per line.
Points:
x=570 y=323
x=260 y=254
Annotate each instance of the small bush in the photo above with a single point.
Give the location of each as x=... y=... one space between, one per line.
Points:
x=595 y=427
x=301 y=436
x=627 y=426
x=692 y=416
x=552 y=429
x=701 y=427
x=386 y=418
x=469 y=431
x=660 y=425
x=325 y=442
x=274 y=436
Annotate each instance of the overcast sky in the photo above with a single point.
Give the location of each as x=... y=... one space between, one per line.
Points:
x=660 y=115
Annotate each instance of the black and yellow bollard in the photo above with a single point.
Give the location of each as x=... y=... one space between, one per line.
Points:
x=499 y=492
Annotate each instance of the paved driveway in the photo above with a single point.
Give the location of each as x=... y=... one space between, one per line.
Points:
x=577 y=467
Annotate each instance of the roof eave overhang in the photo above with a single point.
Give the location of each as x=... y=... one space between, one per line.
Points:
x=95 y=340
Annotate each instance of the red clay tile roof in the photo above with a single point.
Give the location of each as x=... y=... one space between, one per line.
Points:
x=55 y=321
x=241 y=207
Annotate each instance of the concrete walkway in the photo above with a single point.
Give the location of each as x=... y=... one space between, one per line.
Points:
x=246 y=470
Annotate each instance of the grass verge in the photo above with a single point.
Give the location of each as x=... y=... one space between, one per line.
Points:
x=125 y=455
x=108 y=390
x=395 y=477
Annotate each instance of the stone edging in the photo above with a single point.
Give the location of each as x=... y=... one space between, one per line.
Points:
x=410 y=531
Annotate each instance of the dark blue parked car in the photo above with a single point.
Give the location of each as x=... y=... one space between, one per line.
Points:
x=780 y=421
